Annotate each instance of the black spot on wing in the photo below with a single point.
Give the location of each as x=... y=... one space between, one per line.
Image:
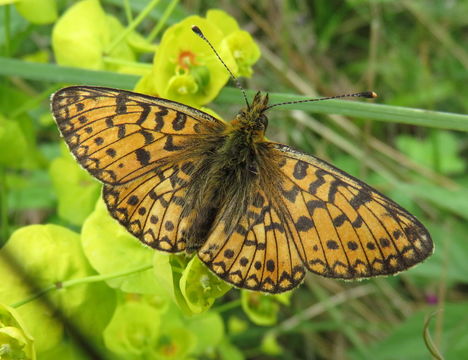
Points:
x=291 y=194
x=300 y=170
x=159 y=119
x=304 y=224
x=149 y=138
x=332 y=245
x=179 y=122
x=144 y=114
x=313 y=187
x=110 y=121
x=339 y=220
x=121 y=102
x=360 y=199
x=169 y=144
x=143 y=156
x=270 y=265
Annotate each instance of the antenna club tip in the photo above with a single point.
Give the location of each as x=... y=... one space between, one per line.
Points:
x=369 y=94
x=365 y=94
x=197 y=30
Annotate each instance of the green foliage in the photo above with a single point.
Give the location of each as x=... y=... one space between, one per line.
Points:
x=107 y=246
x=13 y=144
x=76 y=190
x=439 y=151
x=82 y=35
x=199 y=287
x=47 y=254
x=38 y=11
x=130 y=302
x=15 y=341
x=191 y=75
x=407 y=337
x=263 y=309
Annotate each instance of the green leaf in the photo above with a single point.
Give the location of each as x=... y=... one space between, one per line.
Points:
x=15 y=341
x=175 y=343
x=110 y=248
x=454 y=200
x=238 y=42
x=230 y=95
x=406 y=341
x=46 y=255
x=13 y=146
x=133 y=330
x=39 y=12
x=81 y=35
x=167 y=271
x=65 y=74
x=449 y=256
x=270 y=345
x=65 y=350
x=209 y=330
x=227 y=351
x=76 y=190
x=200 y=287
x=260 y=308
x=95 y=313
x=438 y=152
x=32 y=191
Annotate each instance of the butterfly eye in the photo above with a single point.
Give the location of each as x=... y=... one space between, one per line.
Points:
x=262 y=123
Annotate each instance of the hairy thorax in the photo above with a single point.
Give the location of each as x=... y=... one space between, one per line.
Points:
x=224 y=180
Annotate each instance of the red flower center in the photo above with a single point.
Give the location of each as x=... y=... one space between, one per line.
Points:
x=186 y=59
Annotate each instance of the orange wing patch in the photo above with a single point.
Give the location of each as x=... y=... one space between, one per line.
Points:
x=151 y=207
x=119 y=136
x=257 y=255
x=344 y=228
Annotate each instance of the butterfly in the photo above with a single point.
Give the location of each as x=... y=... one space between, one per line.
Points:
x=259 y=214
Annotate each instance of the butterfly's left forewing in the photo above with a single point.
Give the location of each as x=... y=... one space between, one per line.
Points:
x=143 y=149
x=119 y=135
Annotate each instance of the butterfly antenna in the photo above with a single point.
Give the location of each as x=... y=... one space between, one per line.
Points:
x=365 y=94
x=197 y=31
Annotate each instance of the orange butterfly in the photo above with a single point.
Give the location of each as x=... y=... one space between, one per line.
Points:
x=258 y=213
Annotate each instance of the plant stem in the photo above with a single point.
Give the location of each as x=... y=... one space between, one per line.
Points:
x=3 y=207
x=128 y=11
x=7 y=30
x=169 y=9
x=116 y=61
x=89 y=279
x=131 y=26
x=228 y=306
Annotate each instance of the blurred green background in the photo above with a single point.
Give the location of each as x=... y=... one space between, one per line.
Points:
x=411 y=143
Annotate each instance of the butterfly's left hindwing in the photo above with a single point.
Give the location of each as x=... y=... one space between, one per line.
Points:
x=151 y=206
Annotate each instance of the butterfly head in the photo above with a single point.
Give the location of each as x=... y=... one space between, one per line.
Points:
x=252 y=118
